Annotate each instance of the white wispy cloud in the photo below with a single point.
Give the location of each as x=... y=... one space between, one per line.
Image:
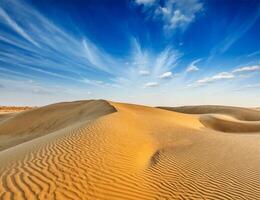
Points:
x=252 y=68
x=52 y=53
x=146 y=66
x=229 y=75
x=151 y=84
x=192 y=69
x=145 y=2
x=174 y=14
x=6 y=18
x=166 y=75
x=192 y=66
x=253 y=53
x=217 y=77
x=97 y=57
x=240 y=27
x=7 y=72
x=46 y=44
x=93 y=82
x=165 y=61
x=33 y=87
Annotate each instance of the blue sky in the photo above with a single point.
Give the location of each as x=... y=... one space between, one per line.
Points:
x=153 y=52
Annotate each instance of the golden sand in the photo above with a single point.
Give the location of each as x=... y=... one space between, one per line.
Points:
x=107 y=150
x=8 y=109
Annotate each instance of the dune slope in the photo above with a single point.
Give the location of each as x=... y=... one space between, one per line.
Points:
x=221 y=123
x=224 y=118
x=19 y=127
x=135 y=152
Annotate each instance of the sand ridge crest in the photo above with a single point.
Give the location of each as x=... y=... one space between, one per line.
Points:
x=130 y=152
x=24 y=126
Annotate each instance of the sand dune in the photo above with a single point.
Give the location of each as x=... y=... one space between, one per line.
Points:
x=237 y=112
x=107 y=150
x=5 y=116
x=224 y=118
x=23 y=126
x=220 y=123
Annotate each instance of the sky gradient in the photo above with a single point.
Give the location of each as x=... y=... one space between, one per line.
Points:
x=153 y=52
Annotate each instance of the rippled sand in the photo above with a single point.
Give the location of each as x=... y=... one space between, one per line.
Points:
x=107 y=150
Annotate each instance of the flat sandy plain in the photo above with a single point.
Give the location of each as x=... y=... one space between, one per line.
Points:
x=105 y=150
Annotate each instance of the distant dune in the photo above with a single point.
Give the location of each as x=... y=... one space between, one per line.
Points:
x=105 y=150
x=236 y=112
x=224 y=118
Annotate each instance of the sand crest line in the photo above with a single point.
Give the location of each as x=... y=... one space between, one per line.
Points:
x=107 y=150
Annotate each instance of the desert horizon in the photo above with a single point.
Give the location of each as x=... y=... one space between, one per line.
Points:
x=129 y=100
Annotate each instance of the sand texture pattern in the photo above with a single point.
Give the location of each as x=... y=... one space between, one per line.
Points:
x=105 y=150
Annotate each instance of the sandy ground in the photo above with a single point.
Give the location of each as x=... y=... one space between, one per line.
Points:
x=10 y=109
x=107 y=150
